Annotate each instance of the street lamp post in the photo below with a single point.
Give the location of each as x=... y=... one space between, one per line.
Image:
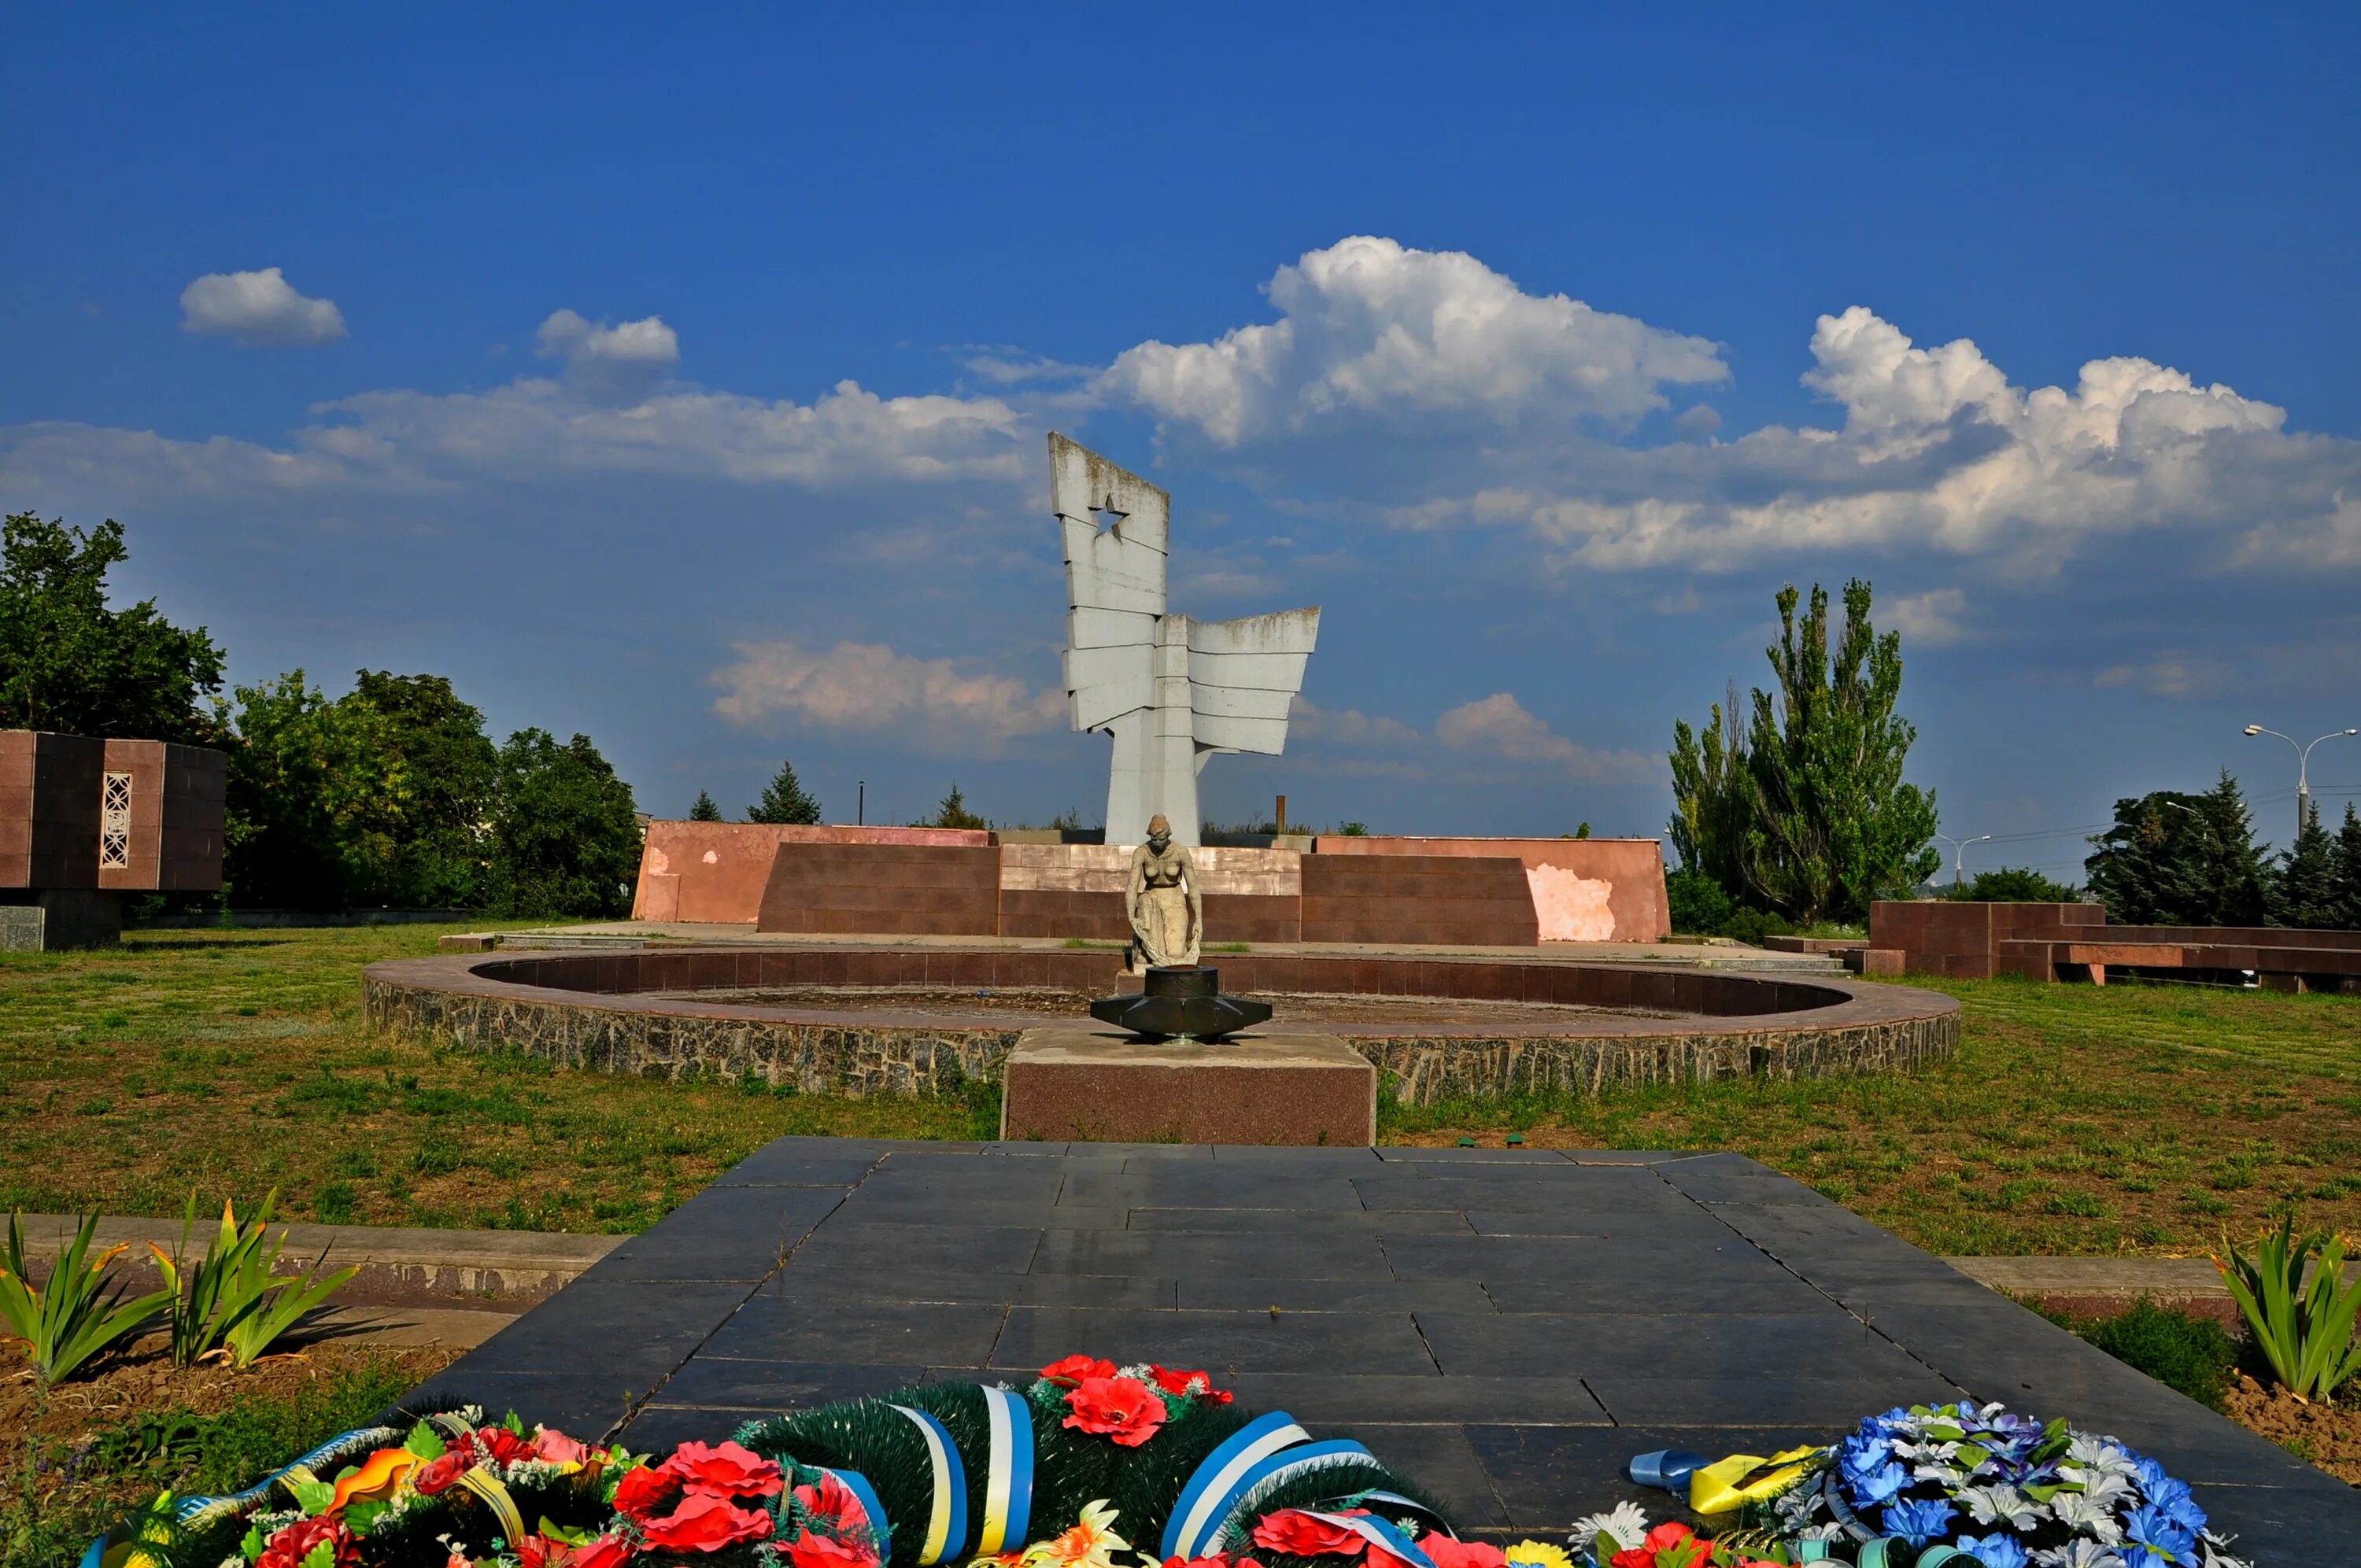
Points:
x=2302 y=771
x=1960 y=846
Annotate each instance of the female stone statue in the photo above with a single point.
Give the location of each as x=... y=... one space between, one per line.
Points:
x=1168 y=915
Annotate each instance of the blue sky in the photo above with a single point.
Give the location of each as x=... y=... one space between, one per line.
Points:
x=685 y=382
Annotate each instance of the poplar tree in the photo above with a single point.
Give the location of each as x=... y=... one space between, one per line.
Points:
x=1806 y=812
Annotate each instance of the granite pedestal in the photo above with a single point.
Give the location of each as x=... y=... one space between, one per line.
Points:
x=1101 y=1085
x=1506 y=1325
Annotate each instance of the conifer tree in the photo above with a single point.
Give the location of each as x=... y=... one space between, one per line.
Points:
x=786 y=800
x=2305 y=893
x=704 y=810
x=2174 y=859
x=2348 y=871
x=952 y=812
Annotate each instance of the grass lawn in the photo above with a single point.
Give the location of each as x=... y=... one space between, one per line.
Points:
x=2131 y=1118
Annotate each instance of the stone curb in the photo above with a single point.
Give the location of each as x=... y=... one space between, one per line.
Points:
x=506 y=1271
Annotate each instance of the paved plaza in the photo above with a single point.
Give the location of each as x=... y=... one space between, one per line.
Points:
x=1507 y=1326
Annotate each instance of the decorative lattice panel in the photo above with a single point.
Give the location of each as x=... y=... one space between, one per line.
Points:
x=115 y=821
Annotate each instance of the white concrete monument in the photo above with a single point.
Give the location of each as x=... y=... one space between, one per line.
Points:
x=1170 y=690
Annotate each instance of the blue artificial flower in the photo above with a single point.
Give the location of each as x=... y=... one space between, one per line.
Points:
x=1919 y=1521
x=2172 y=1497
x=2148 y=1473
x=1862 y=1453
x=1877 y=1486
x=1995 y=1551
x=2153 y=1527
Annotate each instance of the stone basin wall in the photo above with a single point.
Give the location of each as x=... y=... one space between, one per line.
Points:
x=584 y=1010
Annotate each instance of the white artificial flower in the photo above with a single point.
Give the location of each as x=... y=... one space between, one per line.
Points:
x=2078 y=1511
x=1951 y=1475
x=2099 y=1454
x=1995 y=1505
x=2078 y=1554
x=2210 y=1545
x=2109 y=1490
x=1626 y=1522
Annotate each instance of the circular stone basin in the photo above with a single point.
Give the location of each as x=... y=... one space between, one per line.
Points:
x=868 y=1019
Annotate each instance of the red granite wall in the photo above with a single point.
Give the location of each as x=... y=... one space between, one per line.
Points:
x=1461 y=900
x=1962 y=940
x=715 y=872
x=50 y=788
x=902 y=890
x=1582 y=890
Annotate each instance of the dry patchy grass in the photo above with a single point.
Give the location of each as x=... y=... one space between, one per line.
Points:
x=2075 y=1120
x=229 y=1062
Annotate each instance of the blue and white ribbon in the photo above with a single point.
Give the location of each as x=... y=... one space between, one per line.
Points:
x=858 y=1485
x=947 y=1515
x=1008 y=1474
x=1214 y=1488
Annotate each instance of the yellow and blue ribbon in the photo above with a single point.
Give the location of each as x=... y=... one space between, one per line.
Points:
x=882 y=1532
x=1378 y=1533
x=947 y=1514
x=1008 y=1474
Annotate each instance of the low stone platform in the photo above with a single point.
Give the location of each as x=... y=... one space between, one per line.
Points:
x=1508 y=1326
x=1265 y=1087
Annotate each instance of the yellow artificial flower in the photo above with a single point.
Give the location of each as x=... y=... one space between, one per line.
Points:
x=1091 y=1544
x=1539 y=1554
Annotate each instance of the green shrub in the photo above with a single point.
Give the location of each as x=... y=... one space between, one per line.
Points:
x=2192 y=1355
x=2305 y=1332
x=1696 y=904
x=74 y=1316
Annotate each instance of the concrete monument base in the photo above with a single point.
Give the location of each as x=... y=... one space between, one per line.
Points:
x=1100 y=1085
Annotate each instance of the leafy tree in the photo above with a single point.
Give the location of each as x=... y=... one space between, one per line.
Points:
x=2348 y=871
x=290 y=754
x=416 y=817
x=1807 y=813
x=952 y=812
x=2012 y=884
x=784 y=799
x=2173 y=858
x=703 y=810
x=68 y=662
x=2305 y=891
x=566 y=838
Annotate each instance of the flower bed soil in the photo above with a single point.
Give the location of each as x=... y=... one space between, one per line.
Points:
x=2327 y=1433
x=44 y=1437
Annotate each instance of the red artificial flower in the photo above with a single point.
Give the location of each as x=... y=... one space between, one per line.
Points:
x=812 y=1550
x=1448 y=1552
x=439 y=1473
x=1669 y=1545
x=1197 y=1384
x=704 y=1522
x=1069 y=1373
x=646 y=1491
x=600 y=1552
x=558 y=1448
x=459 y=1559
x=832 y=1499
x=1124 y=1408
x=292 y=1543
x=1218 y=1559
x=502 y=1445
x=1298 y=1534
x=728 y=1471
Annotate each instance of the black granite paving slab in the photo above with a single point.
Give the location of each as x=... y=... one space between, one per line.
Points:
x=722 y=1233
x=1315 y=1253
x=762 y=1388
x=1224 y=1292
x=952 y=1248
x=1510 y=1326
x=1225 y=1343
x=791 y=1328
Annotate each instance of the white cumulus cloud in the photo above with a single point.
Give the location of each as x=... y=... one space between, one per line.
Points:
x=258 y=308
x=1372 y=328
x=1501 y=725
x=1928 y=620
x=869 y=687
